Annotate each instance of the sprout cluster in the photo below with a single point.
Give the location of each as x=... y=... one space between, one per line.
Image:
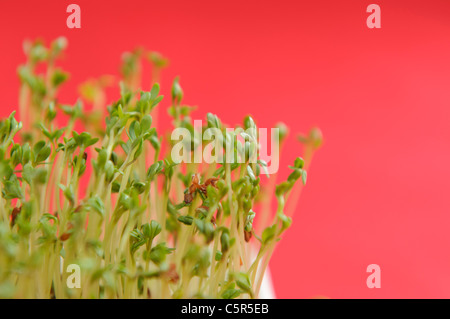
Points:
x=109 y=198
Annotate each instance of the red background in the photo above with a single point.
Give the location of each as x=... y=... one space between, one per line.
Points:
x=378 y=189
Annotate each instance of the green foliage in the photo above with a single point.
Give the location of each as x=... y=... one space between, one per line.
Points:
x=111 y=199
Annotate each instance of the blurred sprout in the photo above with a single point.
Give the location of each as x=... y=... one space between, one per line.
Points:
x=107 y=195
x=314 y=138
x=157 y=59
x=177 y=91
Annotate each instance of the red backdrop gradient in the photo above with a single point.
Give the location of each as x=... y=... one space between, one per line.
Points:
x=378 y=190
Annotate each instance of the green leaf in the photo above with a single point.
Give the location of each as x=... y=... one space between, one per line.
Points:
x=159 y=252
x=26 y=153
x=231 y=294
x=225 y=241
x=154 y=169
x=135 y=130
x=218 y=255
x=146 y=123
x=41 y=151
x=268 y=234
x=304 y=175
x=177 y=91
x=155 y=91
x=151 y=230
x=155 y=142
x=96 y=204
x=27 y=173
x=299 y=162
x=206 y=228
x=249 y=122
x=12 y=190
x=250 y=173
x=59 y=77
x=243 y=282
x=213 y=121
x=187 y=220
